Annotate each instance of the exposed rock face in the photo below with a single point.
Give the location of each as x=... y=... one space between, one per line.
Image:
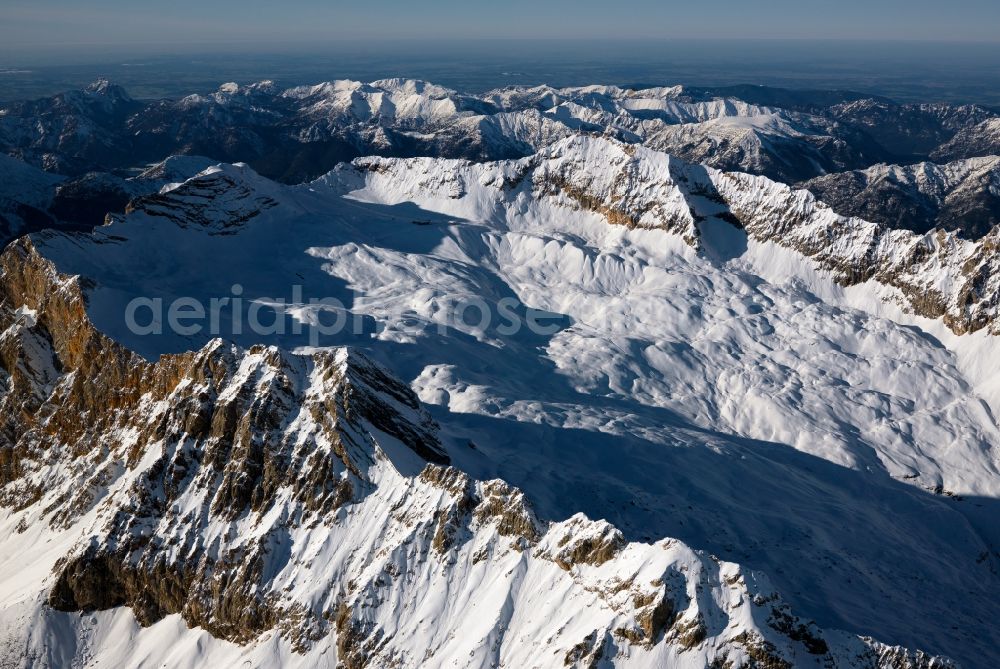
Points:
x=33 y=200
x=963 y=196
x=252 y=491
x=237 y=429
x=220 y=198
x=86 y=201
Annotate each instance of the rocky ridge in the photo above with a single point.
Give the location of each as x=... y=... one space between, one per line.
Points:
x=982 y=139
x=252 y=490
x=936 y=274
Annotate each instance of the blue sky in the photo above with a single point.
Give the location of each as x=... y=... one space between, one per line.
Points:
x=149 y=25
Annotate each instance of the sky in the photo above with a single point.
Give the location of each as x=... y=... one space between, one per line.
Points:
x=33 y=26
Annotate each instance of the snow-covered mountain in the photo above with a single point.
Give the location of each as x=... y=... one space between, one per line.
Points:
x=972 y=141
x=302 y=132
x=963 y=195
x=32 y=199
x=752 y=401
x=302 y=506
x=908 y=130
x=99 y=136
x=70 y=132
x=85 y=201
x=727 y=133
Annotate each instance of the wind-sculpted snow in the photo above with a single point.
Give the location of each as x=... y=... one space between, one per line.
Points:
x=726 y=362
x=301 y=506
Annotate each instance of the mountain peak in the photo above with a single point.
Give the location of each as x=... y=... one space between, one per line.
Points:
x=265 y=86
x=99 y=85
x=102 y=86
x=412 y=87
x=669 y=368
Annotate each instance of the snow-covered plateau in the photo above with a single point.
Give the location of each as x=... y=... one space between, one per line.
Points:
x=759 y=434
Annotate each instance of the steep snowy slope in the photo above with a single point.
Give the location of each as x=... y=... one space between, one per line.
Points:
x=86 y=201
x=792 y=396
x=962 y=196
x=32 y=200
x=302 y=506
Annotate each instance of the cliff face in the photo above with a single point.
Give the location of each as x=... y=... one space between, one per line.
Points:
x=936 y=274
x=256 y=493
x=241 y=432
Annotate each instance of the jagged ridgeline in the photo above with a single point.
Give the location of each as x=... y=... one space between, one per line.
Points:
x=307 y=499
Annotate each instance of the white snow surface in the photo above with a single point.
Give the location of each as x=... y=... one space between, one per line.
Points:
x=728 y=393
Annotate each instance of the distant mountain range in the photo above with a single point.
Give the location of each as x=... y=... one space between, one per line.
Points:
x=298 y=134
x=962 y=196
